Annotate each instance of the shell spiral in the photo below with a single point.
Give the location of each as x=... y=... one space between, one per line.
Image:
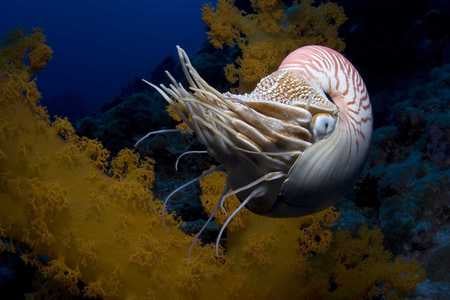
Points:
x=330 y=165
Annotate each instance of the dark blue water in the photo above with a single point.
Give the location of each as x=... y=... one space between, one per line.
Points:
x=99 y=45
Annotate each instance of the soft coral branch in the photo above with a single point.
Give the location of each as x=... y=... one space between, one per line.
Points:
x=268 y=34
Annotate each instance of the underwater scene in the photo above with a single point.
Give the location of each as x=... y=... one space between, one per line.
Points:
x=225 y=149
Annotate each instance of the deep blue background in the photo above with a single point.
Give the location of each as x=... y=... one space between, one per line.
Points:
x=99 y=45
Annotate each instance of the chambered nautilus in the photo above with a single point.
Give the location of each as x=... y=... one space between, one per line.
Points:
x=292 y=145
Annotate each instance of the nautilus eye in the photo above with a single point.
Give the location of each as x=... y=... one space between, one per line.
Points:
x=322 y=125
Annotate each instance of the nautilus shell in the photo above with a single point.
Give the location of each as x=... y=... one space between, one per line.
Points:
x=291 y=146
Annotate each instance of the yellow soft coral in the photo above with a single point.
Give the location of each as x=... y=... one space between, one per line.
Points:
x=315 y=233
x=30 y=47
x=325 y=265
x=359 y=267
x=172 y=110
x=268 y=34
x=56 y=197
x=212 y=187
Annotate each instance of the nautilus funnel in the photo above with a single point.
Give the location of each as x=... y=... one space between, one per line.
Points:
x=291 y=146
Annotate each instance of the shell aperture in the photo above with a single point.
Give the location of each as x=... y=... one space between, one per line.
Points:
x=286 y=148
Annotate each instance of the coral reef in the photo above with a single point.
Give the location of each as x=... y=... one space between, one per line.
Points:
x=269 y=32
x=92 y=224
x=56 y=198
x=405 y=187
x=409 y=163
x=330 y=266
x=72 y=212
x=355 y=267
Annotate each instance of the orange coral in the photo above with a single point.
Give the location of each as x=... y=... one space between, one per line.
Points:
x=268 y=34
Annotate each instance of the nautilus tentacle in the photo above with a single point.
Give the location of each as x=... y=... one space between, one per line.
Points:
x=188 y=153
x=294 y=143
x=154 y=133
x=213 y=213
x=259 y=191
x=192 y=181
